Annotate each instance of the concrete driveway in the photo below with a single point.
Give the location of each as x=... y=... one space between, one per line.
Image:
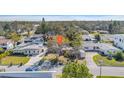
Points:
x=106 y=71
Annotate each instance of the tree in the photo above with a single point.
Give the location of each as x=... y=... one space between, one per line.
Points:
x=119 y=56
x=43 y=28
x=1 y=49
x=97 y=37
x=74 y=38
x=76 y=70
x=15 y=37
x=7 y=27
x=114 y=27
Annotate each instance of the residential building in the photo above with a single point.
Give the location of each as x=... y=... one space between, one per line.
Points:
x=103 y=48
x=36 y=39
x=103 y=32
x=88 y=38
x=90 y=46
x=108 y=49
x=119 y=41
x=107 y=37
x=6 y=43
x=30 y=49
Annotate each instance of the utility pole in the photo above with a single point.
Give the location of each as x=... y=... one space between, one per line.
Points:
x=101 y=62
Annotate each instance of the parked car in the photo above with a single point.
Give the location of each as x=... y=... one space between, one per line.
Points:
x=32 y=68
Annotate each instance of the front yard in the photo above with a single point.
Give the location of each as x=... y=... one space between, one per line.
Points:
x=14 y=60
x=106 y=61
x=61 y=59
x=110 y=77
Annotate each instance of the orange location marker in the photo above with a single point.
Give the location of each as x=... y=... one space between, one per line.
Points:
x=59 y=39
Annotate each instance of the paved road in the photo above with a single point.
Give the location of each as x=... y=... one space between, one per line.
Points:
x=95 y=70
x=26 y=75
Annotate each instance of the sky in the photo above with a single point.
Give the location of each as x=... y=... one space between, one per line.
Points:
x=61 y=17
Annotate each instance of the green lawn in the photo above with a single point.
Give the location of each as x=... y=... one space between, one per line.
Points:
x=110 y=77
x=106 y=61
x=15 y=60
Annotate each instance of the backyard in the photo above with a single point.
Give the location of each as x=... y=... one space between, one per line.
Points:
x=107 y=62
x=14 y=60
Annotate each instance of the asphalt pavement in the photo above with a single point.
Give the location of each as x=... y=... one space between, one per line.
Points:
x=106 y=70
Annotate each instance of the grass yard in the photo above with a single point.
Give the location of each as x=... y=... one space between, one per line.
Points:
x=106 y=61
x=15 y=60
x=110 y=77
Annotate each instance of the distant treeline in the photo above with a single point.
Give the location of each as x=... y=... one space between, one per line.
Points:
x=114 y=27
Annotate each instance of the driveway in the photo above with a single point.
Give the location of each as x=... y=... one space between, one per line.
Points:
x=106 y=71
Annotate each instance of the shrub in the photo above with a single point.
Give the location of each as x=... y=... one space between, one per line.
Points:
x=119 y=56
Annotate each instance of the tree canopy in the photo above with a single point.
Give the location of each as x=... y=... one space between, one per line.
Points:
x=43 y=28
x=76 y=70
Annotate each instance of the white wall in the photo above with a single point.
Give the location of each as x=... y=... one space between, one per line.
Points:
x=119 y=43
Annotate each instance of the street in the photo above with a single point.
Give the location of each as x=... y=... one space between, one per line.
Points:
x=106 y=70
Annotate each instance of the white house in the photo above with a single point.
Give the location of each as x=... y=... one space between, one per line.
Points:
x=90 y=46
x=36 y=39
x=88 y=37
x=33 y=49
x=119 y=41
x=108 y=49
x=6 y=43
x=103 y=48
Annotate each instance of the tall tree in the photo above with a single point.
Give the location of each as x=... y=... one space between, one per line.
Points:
x=76 y=70
x=7 y=27
x=74 y=38
x=42 y=28
x=97 y=37
x=114 y=27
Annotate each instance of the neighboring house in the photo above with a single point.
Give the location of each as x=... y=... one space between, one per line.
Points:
x=88 y=38
x=108 y=49
x=90 y=46
x=103 y=32
x=119 y=41
x=107 y=37
x=36 y=39
x=30 y=49
x=104 y=48
x=6 y=43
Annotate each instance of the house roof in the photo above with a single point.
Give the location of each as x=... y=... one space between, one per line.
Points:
x=33 y=46
x=30 y=46
x=119 y=35
x=3 y=40
x=105 y=46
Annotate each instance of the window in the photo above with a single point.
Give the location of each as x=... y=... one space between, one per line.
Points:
x=38 y=52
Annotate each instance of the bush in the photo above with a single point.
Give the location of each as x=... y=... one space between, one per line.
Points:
x=119 y=56
x=62 y=60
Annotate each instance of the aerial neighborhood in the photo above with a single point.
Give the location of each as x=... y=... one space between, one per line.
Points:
x=74 y=49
